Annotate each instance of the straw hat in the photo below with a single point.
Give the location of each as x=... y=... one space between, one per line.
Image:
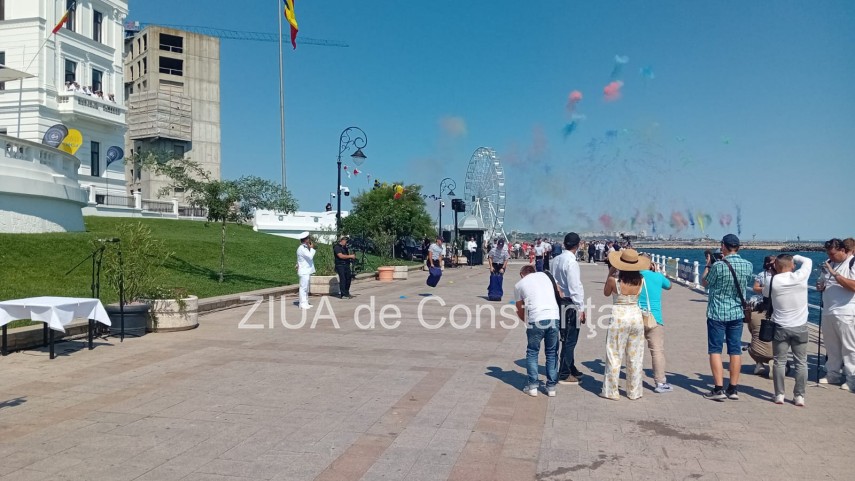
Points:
x=629 y=260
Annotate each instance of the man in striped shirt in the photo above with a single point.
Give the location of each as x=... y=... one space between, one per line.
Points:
x=725 y=315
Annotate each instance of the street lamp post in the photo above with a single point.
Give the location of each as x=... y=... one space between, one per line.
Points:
x=349 y=136
x=447 y=184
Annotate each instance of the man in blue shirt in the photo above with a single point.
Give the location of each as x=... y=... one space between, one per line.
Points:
x=725 y=315
x=650 y=299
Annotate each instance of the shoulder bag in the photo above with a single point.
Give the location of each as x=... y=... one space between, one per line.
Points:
x=767 y=326
x=746 y=309
x=647 y=315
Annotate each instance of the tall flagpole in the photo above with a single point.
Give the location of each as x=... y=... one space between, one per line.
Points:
x=280 y=14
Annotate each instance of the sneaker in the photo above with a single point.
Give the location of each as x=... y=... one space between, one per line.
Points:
x=715 y=395
x=306 y=306
x=577 y=373
x=731 y=393
x=531 y=391
x=759 y=369
x=779 y=399
x=823 y=380
x=550 y=392
x=800 y=401
x=572 y=380
x=663 y=388
x=846 y=387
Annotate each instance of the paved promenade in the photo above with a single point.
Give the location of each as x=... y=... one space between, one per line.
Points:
x=326 y=403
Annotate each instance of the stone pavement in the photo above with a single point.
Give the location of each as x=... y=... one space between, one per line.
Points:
x=326 y=403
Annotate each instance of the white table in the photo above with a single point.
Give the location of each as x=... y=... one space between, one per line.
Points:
x=55 y=312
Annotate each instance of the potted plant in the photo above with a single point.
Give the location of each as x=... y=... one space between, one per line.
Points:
x=385 y=244
x=172 y=309
x=131 y=270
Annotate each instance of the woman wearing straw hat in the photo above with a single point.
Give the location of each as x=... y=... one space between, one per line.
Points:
x=626 y=331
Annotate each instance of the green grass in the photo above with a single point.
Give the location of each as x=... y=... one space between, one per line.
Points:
x=36 y=264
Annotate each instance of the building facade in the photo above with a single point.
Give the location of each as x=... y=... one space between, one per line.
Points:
x=78 y=80
x=172 y=82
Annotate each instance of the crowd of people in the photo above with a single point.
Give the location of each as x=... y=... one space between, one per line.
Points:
x=71 y=86
x=552 y=303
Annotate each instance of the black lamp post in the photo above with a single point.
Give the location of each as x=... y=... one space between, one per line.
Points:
x=447 y=184
x=356 y=137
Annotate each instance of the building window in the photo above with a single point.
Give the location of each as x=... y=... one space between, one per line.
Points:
x=171 y=43
x=70 y=71
x=144 y=66
x=171 y=66
x=2 y=54
x=97 y=22
x=95 y=160
x=132 y=72
x=71 y=24
x=2 y=9
x=178 y=151
x=97 y=77
x=145 y=42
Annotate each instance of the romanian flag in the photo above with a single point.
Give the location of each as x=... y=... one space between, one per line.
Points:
x=72 y=5
x=292 y=19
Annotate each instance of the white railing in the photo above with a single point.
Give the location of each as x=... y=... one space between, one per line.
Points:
x=90 y=104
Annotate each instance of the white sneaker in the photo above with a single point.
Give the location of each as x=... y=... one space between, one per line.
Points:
x=846 y=387
x=550 y=392
x=306 y=306
x=779 y=399
x=799 y=401
x=531 y=392
x=823 y=380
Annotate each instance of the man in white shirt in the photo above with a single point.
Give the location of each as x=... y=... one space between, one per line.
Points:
x=538 y=255
x=536 y=304
x=435 y=253
x=305 y=267
x=837 y=284
x=471 y=247
x=565 y=269
x=789 y=294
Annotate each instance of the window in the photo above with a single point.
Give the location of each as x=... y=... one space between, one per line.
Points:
x=171 y=66
x=132 y=72
x=178 y=151
x=97 y=22
x=2 y=9
x=145 y=41
x=70 y=71
x=95 y=160
x=2 y=54
x=144 y=66
x=97 y=77
x=70 y=24
x=171 y=43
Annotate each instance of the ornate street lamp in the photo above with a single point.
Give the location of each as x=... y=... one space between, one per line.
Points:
x=349 y=136
x=447 y=184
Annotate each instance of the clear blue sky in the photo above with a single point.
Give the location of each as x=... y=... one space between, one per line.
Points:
x=751 y=105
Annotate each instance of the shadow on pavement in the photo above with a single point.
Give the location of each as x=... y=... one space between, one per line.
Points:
x=13 y=402
x=511 y=378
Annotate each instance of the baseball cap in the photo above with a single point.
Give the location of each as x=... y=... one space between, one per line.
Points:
x=730 y=240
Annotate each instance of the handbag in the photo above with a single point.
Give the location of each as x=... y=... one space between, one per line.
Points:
x=746 y=309
x=647 y=316
x=767 y=326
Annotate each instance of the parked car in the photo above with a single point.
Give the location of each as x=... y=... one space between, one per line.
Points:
x=407 y=248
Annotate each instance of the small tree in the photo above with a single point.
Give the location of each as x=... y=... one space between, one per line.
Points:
x=378 y=214
x=225 y=201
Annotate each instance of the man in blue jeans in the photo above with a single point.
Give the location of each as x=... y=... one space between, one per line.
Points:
x=726 y=280
x=537 y=306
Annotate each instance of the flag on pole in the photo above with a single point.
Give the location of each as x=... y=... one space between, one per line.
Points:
x=72 y=5
x=292 y=20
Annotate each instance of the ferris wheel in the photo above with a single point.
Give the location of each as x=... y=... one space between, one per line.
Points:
x=485 y=191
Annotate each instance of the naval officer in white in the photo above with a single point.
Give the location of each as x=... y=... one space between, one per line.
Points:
x=305 y=267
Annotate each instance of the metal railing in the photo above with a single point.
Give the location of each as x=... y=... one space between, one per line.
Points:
x=172 y=71
x=186 y=211
x=171 y=48
x=156 y=206
x=118 y=201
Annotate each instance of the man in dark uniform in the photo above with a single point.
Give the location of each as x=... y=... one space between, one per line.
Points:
x=342 y=266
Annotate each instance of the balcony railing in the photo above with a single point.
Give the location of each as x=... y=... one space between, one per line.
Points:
x=80 y=103
x=157 y=206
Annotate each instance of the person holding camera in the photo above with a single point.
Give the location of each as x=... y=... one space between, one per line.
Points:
x=726 y=280
x=305 y=267
x=837 y=284
x=787 y=291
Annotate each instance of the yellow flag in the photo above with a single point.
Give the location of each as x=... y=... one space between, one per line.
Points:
x=72 y=142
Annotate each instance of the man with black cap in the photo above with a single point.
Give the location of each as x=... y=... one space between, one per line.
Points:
x=726 y=281
x=565 y=269
x=342 y=266
x=305 y=267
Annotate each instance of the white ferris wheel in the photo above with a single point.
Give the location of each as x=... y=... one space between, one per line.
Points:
x=485 y=191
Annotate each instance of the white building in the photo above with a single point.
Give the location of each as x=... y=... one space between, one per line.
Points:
x=87 y=51
x=320 y=224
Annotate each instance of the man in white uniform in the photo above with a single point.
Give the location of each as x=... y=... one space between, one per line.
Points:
x=471 y=247
x=305 y=267
x=837 y=285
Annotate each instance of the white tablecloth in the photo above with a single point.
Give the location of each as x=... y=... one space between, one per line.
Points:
x=57 y=312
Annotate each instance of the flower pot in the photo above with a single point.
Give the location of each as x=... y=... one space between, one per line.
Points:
x=401 y=273
x=323 y=285
x=136 y=318
x=171 y=315
x=386 y=273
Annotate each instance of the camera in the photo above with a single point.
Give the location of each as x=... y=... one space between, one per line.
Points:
x=344 y=190
x=714 y=256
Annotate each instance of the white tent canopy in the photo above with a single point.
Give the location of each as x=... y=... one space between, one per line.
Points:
x=9 y=74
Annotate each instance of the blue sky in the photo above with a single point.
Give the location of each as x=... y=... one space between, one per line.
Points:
x=751 y=105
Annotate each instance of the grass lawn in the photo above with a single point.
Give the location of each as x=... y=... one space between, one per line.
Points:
x=36 y=264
